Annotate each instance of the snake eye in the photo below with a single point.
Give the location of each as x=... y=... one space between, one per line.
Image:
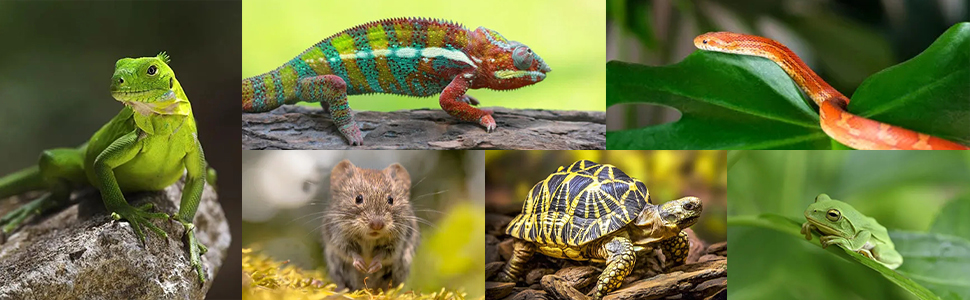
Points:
x=359 y=200
x=833 y=215
x=705 y=41
x=152 y=70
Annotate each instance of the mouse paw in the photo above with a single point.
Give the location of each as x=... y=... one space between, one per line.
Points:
x=374 y=266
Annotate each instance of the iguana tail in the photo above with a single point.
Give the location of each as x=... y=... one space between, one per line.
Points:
x=21 y=181
x=270 y=90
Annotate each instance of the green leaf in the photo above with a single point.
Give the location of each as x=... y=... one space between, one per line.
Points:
x=926 y=94
x=953 y=219
x=793 y=227
x=939 y=262
x=744 y=102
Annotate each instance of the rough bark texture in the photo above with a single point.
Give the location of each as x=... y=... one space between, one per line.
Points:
x=80 y=252
x=704 y=276
x=300 y=127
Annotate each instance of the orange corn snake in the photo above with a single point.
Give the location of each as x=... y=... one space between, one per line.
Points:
x=851 y=130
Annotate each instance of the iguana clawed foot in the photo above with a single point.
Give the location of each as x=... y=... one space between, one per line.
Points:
x=13 y=219
x=196 y=249
x=138 y=217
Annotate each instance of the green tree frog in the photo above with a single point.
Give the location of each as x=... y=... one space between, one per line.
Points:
x=842 y=225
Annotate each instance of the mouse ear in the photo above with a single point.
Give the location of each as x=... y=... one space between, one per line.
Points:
x=398 y=174
x=343 y=169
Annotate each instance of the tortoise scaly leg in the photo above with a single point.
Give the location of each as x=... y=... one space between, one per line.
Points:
x=521 y=253
x=620 y=259
x=675 y=249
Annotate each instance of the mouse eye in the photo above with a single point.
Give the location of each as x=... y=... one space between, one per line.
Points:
x=359 y=200
x=390 y=200
x=152 y=70
x=833 y=215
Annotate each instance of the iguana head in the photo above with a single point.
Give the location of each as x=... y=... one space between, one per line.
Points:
x=504 y=64
x=148 y=86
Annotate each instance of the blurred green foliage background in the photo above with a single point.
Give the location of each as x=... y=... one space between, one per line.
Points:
x=56 y=62
x=669 y=175
x=285 y=193
x=902 y=190
x=568 y=35
x=843 y=41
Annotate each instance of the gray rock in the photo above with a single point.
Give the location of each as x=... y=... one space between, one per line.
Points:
x=80 y=252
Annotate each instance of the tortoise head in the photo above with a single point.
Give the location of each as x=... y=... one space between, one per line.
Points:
x=681 y=213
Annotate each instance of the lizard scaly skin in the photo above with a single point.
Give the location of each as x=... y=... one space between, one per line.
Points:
x=404 y=56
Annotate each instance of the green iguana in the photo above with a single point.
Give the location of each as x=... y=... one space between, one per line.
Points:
x=146 y=147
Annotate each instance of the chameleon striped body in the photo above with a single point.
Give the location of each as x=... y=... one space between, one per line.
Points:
x=404 y=56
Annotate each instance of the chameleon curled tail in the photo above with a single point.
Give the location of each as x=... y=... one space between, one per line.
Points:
x=847 y=128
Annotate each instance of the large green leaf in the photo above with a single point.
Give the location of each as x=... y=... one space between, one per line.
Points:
x=953 y=218
x=928 y=93
x=916 y=249
x=743 y=102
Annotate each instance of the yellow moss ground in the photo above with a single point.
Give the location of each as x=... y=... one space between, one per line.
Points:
x=265 y=278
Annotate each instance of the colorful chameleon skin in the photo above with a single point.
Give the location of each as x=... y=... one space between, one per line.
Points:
x=404 y=56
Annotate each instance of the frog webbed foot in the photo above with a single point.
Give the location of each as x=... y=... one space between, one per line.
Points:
x=807 y=230
x=828 y=240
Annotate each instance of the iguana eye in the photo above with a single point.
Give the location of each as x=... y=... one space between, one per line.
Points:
x=522 y=57
x=833 y=215
x=152 y=70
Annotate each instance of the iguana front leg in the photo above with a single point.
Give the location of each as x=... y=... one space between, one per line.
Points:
x=454 y=101
x=195 y=176
x=119 y=152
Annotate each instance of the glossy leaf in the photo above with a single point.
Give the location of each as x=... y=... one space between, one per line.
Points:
x=928 y=93
x=793 y=227
x=744 y=102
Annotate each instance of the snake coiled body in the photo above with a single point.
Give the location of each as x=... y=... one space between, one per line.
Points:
x=851 y=130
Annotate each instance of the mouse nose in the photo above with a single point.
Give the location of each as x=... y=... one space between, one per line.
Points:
x=376 y=224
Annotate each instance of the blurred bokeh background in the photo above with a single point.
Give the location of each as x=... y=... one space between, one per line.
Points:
x=568 y=35
x=901 y=190
x=285 y=193
x=669 y=175
x=844 y=41
x=56 y=63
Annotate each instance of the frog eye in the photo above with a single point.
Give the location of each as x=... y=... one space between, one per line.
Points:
x=522 y=57
x=833 y=215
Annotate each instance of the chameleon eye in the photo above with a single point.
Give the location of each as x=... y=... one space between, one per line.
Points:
x=359 y=200
x=152 y=70
x=522 y=57
x=390 y=200
x=833 y=215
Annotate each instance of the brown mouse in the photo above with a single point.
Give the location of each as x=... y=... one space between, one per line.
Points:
x=369 y=228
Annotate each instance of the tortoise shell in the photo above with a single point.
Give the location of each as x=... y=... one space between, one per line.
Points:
x=579 y=204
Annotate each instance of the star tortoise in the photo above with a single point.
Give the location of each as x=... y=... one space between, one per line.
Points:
x=595 y=212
